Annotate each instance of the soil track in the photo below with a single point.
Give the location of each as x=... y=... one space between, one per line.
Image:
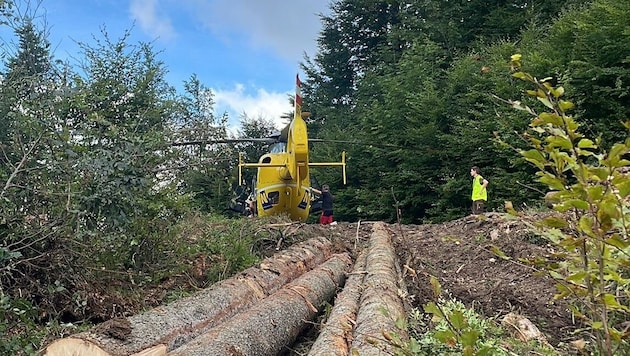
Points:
x=459 y=254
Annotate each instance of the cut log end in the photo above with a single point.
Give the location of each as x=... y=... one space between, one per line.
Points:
x=78 y=347
x=74 y=346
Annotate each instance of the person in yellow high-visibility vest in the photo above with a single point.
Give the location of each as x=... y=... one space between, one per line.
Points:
x=479 y=191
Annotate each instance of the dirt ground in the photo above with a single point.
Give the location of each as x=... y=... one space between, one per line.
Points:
x=459 y=254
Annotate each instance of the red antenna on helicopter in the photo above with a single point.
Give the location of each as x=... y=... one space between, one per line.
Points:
x=298 y=96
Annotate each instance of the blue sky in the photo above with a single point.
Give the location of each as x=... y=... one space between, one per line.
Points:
x=247 y=51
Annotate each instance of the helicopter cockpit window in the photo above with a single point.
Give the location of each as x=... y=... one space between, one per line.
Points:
x=278 y=147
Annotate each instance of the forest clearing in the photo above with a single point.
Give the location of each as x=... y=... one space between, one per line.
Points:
x=116 y=186
x=384 y=266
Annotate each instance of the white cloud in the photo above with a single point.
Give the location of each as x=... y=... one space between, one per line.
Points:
x=152 y=21
x=289 y=28
x=264 y=104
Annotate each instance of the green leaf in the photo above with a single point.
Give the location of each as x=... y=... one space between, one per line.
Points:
x=432 y=308
x=598 y=173
x=605 y=220
x=618 y=242
x=616 y=277
x=499 y=253
x=597 y=325
x=578 y=204
x=523 y=76
x=550 y=118
x=436 y=287
x=586 y=225
x=577 y=278
x=595 y=193
x=535 y=93
x=470 y=337
x=551 y=181
x=609 y=206
x=414 y=346
x=486 y=351
x=565 y=105
x=554 y=235
x=458 y=320
x=554 y=221
x=624 y=188
x=546 y=102
x=611 y=302
x=535 y=157
x=558 y=141
x=401 y=323
x=517 y=105
x=564 y=292
x=558 y=92
x=616 y=151
x=446 y=337
x=586 y=143
x=616 y=335
x=584 y=153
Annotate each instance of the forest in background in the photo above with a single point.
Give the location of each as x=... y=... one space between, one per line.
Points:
x=89 y=175
x=431 y=77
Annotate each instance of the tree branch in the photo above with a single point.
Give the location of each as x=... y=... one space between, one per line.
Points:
x=17 y=169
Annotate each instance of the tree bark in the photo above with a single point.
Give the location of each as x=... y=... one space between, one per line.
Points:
x=168 y=327
x=269 y=326
x=335 y=336
x=380 y=306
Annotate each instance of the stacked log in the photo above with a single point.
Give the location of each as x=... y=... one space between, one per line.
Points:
x=170 y=326
x=263 y=309
x=380 y=306
x=269 y=326
x=335 y=336
x=365 y=314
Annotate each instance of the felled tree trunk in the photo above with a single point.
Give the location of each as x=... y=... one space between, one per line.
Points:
x=335 y=336
x=380 y=305
x=168 y=327
x=269 y=326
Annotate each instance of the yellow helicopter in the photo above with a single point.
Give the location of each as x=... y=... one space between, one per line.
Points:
x=283 y=183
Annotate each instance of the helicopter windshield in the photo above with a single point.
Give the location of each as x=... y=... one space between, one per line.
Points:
x=278 y=147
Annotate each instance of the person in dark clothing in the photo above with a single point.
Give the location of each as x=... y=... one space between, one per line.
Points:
x=327 y=205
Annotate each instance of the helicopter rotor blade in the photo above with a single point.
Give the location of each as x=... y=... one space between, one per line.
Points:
x=353 y=142
x=227 y=140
